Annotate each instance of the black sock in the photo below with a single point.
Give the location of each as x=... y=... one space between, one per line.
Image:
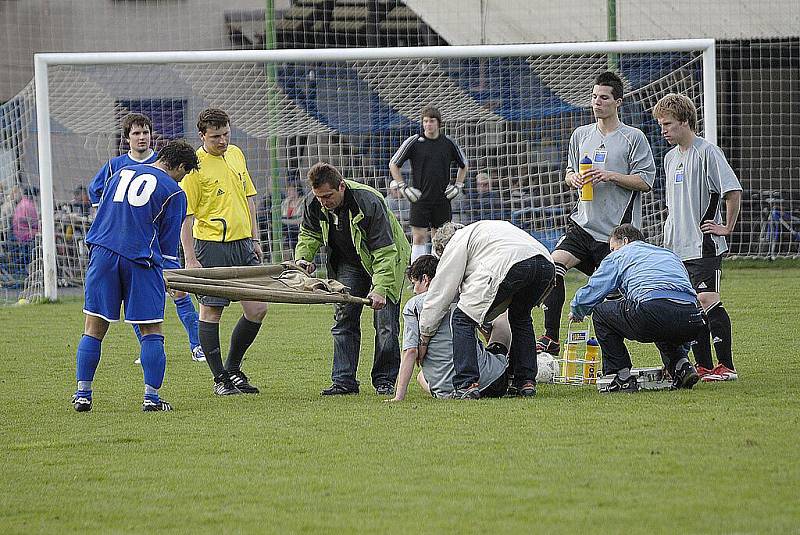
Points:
x=209 y=340
x=553 y=305
x=720 y=326
x=242 y=336
x=701 y=348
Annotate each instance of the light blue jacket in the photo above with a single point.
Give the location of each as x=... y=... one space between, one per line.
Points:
x=641 y=272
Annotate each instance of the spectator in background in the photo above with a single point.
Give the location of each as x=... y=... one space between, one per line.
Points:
x=24 y=228
x=485 y=202
x=9 y=203
x=292 y=213
x=80 y=203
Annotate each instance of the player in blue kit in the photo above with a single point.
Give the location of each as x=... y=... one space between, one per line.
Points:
x=137 y=129
x=135 y=233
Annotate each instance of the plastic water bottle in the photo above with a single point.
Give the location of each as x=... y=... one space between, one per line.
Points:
x=571 y=372
x=585 y=165
x=592 y=362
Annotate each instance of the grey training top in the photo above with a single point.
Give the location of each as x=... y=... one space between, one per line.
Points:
x=696 y=181
x=626 y=151
x=437 y=367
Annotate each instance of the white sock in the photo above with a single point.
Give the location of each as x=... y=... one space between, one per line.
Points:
x=418 y=250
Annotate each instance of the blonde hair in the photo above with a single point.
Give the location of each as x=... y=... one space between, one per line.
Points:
x=678 y=106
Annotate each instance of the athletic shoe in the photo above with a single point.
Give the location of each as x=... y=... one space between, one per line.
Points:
x=385 y=390
x=473 y=391
x=198 y=355
x=628 y=385
x=725 y=373
x=338 y=390
x=707 y=375
x=223 y=386
x=686 y=377
x=82 y=403
x=155 y=406
x=545 y=344
x=239 y=380
x=512 y=391
x=527 y=390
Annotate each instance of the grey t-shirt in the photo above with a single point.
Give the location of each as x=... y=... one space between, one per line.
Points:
x=626 y=151
x=696 y=181
x=437 y=367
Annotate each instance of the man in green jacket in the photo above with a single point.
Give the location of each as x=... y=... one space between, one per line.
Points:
x=369 y=253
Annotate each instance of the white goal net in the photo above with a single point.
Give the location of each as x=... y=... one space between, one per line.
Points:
x=511 y=108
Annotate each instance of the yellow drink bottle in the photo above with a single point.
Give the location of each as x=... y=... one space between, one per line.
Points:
x=592 y=362
x=585 y=165
x=572 y=373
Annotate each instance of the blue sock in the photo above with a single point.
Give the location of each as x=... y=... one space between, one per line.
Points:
x=154 y=361
x=138 y=332
x=189 y=318
x=87 y=358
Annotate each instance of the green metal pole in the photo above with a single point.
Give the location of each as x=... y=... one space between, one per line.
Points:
x=613 y=59
x=272 y=141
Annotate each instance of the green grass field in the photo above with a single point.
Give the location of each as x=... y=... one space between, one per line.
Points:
x=722 y=458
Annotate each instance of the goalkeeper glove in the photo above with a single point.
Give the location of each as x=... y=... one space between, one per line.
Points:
x=452 y=191
x=410 y=193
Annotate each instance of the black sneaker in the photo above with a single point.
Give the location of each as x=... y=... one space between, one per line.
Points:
x=472 y=391
x=686 y=377
x=239 y=380
x=155 y=406
x=618 y=385
x=223 y=386
x=545 y=344
x=527 y=390
x=82 y=403
x=385 y=390
x=338 y=390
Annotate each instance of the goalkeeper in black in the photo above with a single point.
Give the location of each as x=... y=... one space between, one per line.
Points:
x=432 y=155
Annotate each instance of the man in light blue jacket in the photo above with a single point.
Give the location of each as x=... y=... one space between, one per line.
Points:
x=659 y=306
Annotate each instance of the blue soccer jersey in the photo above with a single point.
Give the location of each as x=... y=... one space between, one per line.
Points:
x=140 y=216
x=98 y=183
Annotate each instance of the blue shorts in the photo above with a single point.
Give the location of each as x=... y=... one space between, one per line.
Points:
x=112 y=279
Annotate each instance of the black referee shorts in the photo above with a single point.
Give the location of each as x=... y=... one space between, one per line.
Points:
x=580 y=244
x=430 y=214
x=224 y=254
x=705 y=273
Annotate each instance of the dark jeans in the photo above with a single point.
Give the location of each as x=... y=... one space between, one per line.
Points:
x=522 y=289
x=346 y=332
x=669 y=324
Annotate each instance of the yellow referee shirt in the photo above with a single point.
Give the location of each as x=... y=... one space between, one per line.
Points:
x=217 y=196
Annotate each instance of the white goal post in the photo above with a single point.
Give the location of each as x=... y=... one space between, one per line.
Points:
x=43 y=62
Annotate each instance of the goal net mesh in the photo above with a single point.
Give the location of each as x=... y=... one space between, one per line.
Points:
x=512 y=116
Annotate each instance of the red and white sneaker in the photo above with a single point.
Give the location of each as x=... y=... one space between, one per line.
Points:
x=725 y=373
x=545 y=344
x=707 y=375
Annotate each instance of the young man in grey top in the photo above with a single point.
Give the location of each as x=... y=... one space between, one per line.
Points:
x=698 y=177
x=623 y=168
x=438 y=369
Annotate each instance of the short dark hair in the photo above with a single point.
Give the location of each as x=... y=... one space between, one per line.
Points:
x=424 y=265
x=135 y=119
x=433 y=113
x=611 y=80
x=179 y=152
x=324 y=173
x=212 y=117
x=627 y=231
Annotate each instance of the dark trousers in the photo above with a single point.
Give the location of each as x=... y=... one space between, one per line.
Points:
x=669 y=324
x=522 y=289
x=346 y=332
